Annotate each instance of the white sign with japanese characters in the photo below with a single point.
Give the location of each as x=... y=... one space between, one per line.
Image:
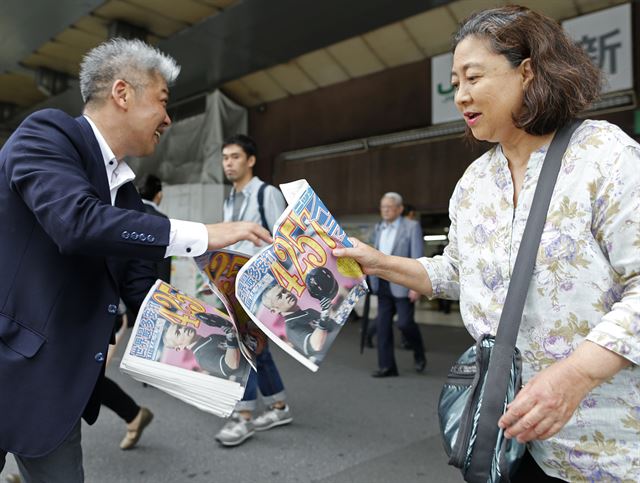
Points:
x=606 y=36
x=443 y=109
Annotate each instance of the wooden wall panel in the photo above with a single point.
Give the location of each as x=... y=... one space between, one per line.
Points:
x=389 y=101
x=424 y=174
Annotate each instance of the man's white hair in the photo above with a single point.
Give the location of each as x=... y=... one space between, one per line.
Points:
x=130 y=60
x=393 y=196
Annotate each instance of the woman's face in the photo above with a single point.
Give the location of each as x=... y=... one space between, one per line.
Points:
x=489 y=91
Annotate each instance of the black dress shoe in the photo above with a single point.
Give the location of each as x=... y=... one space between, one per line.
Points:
x=421 y=364
x=386 y=372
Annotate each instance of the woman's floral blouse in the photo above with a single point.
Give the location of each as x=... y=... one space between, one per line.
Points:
x=586 y=284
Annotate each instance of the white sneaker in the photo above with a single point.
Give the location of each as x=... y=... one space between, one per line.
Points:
x=272 y=417
x=236 y=431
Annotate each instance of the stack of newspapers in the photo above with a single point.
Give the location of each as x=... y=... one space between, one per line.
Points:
x=188 y=349
x=293 y=292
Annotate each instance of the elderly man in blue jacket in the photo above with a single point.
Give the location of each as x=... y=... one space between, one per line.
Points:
x=396 y=235
x=75 y=239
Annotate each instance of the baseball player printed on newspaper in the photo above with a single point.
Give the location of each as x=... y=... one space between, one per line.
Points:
x=295 y=290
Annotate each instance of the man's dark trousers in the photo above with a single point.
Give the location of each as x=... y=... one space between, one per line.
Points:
x=388 y=306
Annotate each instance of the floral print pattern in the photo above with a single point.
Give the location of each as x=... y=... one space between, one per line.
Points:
x=585 y=286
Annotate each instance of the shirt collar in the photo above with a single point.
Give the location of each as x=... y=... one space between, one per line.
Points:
x=107 y=153
x=535 y=158
x=393 y=224
x=248 y=188
x=118 y=172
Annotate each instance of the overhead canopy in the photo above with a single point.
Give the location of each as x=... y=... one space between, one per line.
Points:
x=257 y=51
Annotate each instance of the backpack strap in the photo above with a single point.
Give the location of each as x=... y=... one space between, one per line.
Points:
x=263 y=218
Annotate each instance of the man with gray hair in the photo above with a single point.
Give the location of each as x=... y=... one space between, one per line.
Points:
x=396 y=235
x=75 y=240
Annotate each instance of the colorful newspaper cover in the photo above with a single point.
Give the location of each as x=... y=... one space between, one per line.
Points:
x=173 y=328
x=295 y=290
x=220 y=268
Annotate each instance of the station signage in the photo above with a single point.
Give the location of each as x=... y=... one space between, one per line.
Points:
x=605 y=35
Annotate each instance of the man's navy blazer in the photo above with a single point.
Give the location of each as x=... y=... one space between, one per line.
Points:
x=408 y=243
x=67 y=257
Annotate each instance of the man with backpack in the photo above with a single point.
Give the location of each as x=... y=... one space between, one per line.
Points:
x=251 y=199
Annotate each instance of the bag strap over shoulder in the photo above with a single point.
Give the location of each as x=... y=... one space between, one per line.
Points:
x=500 y=363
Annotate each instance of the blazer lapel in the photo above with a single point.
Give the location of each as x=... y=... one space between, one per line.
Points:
x=377 y=234
x=399 y=235
x=98 y=175
x=96 y=168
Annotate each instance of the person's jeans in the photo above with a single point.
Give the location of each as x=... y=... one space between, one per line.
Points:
x=267 y=379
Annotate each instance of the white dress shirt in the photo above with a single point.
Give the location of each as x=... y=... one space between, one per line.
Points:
x=388 y=233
